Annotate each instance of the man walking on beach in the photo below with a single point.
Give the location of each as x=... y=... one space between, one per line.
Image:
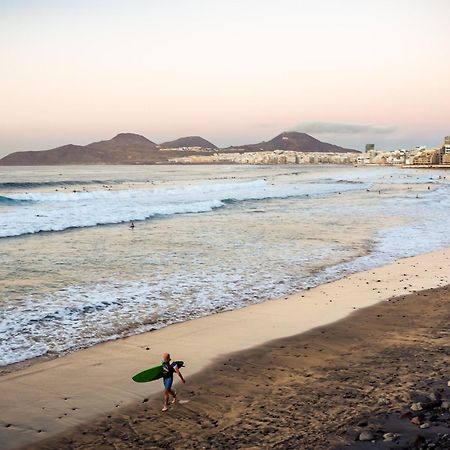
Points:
x=169 y=367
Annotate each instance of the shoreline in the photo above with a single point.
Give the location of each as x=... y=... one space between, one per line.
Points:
x=424 y=166
x=90 y=383
x=362 y=382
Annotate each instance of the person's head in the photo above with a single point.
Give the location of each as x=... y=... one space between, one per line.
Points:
x=166 y=357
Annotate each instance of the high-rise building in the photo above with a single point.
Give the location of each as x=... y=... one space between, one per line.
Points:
x=447 y=140
x=370 y=147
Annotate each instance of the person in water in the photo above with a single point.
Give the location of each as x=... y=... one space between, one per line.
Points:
x=169 y=368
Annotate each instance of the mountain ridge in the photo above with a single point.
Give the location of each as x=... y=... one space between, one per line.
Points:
x=131 y=148
x=295 y=141
x=188 y=141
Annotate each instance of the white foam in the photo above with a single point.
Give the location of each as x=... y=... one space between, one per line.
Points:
x=60 y=211
x=84 y=314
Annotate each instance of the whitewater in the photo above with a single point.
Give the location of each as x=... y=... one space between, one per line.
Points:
x=35 y=212
x=207 y=239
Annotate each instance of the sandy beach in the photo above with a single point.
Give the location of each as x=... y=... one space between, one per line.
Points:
x=374 y=380
x=91 y=384
x=250 y=189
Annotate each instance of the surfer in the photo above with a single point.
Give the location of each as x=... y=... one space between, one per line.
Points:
x=169 y=368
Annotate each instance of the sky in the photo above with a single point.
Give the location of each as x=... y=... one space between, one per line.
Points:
x=349 y=72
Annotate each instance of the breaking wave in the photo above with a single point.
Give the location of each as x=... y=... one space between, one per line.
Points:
x=44 y=184
x=55 y=211
x=11 y=201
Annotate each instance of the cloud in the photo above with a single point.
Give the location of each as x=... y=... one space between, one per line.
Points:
x=344 y=128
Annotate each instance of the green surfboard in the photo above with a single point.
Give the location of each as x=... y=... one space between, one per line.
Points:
x=154 y=373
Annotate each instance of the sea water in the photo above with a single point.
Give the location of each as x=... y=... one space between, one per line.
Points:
x=206 y=239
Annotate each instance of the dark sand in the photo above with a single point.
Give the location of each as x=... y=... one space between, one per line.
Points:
x=317 y=390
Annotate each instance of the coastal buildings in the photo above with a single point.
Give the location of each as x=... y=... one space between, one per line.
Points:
x=446 y=151
x=418 y=156
x=446 y=157
x=426 y=157
x=380 y=157
x=269 y=157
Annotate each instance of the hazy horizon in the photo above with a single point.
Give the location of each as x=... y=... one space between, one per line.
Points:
x=347 y=72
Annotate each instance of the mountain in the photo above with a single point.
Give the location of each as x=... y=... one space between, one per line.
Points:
x=125 y=148
x=295 y=141
x=130 y=148
x=188 y=141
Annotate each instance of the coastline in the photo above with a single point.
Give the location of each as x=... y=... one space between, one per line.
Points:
x=361 y=383
x=424 y=166
x=72 y=390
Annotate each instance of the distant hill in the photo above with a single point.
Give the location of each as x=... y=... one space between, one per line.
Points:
x=125 y=148
x=295 y=141
x=130 y=148
x=188 y=141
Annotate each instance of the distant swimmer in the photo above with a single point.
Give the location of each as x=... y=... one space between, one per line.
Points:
x=131 y=224
x=169 y=367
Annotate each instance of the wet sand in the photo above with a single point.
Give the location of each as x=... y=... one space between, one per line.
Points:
x=52 y=397
x=326 y=388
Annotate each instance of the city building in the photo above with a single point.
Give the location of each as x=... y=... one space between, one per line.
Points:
x=269 y=157
x=446 y=151
x=427 y=157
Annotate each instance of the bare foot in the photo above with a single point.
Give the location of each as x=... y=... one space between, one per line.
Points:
x=165 y=408
x=174 y=400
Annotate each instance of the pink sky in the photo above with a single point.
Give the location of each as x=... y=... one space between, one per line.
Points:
x=234 y=72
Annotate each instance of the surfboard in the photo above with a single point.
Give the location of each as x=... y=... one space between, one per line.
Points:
x=154 y=373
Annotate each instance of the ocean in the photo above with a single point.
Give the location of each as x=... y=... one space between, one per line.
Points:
x=206 y=239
